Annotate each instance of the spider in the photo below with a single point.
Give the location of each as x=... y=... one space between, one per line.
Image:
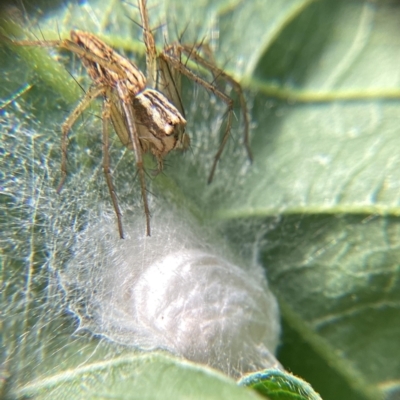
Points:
x=144 y=118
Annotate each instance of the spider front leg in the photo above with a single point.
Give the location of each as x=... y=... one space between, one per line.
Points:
x=92 y=53
x=172 y=56
x=126 y=102
x=106 y=163
x=67 y=125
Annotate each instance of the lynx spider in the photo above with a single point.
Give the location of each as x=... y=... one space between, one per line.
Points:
x=144 y=119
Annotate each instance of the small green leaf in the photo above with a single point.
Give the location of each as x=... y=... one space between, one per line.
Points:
x=278 y=385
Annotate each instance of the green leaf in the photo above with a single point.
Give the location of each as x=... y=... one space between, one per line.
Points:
x=278 y=385
x=152 y=376
x=319 y=205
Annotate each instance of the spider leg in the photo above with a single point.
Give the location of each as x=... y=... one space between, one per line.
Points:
x=220 y=74
x=151 y=52
x=106 y=164
x=84 y=53
x=123 y=94
x=91 y=94
x=183 y=69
